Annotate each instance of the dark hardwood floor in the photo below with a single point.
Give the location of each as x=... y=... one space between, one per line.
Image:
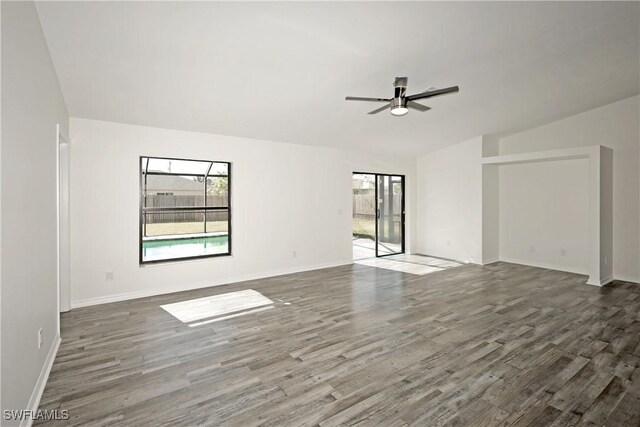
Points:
x=496 y=345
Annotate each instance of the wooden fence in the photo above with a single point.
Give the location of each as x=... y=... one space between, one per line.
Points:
x=171 y=201
x=364 y=205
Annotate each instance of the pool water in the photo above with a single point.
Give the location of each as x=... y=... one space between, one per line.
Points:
x=155 y=250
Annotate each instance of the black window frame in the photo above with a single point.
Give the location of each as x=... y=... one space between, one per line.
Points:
x=143 y=210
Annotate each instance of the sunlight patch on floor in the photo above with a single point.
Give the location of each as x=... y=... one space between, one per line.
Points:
x=218 y=307
x=231 y=316
x=413 y=264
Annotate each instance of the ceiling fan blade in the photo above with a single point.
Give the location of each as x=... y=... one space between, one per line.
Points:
x=376 y=111
x=417 y=106
x=431 y=93
x=359 y=98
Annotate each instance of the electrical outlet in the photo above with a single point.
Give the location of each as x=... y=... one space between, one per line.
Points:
x=532 y=249
x=448 y=242
x=339 y=211
x=563 y=252
x=109 y=275
x=295 y=254
x=40 y=337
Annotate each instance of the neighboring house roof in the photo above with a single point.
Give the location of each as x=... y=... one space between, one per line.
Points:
x=173 y=183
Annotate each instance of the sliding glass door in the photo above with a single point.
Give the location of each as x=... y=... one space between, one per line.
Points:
x=378 y=215
x=390 y=214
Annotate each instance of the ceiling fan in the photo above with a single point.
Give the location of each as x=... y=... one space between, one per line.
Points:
x=400 y=103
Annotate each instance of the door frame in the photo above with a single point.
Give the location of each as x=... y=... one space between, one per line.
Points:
x=402 y=211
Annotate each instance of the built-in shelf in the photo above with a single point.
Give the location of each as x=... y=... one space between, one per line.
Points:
x=543 y=156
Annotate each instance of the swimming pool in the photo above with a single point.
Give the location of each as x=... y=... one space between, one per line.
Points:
x=159 y=249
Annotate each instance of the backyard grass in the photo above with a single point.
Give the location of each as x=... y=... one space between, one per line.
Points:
x=364 y=227
x=161 y=229
x=367 y=227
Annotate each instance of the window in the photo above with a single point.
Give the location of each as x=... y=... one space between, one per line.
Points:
x=185 y=209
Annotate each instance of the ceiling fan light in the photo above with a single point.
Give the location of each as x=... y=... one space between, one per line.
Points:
x=399 y=111
x=399 y=106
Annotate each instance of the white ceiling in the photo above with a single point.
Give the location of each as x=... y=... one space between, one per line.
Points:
x=280 y=71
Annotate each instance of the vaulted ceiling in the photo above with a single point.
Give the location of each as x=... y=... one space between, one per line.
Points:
x=280 y=70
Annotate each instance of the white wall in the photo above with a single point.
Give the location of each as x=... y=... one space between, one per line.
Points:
x=544 y=214
x=32 y=104
x=617 y=126
x=449 y=202
x=285 y=197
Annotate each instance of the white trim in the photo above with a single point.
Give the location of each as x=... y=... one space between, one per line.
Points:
x=490 y=260
x=58 y=228
x=606 y=280
x=595 y=282
x=187 y=287
x=36 y=395
x=601 y=282
x=62 y=217
x=622 y=278
x=459 y=261
x=548 y=266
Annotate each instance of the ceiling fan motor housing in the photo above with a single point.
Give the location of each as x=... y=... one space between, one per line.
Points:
x=399 y=102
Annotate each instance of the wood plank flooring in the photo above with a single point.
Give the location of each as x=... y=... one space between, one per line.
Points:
x=355 y=345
